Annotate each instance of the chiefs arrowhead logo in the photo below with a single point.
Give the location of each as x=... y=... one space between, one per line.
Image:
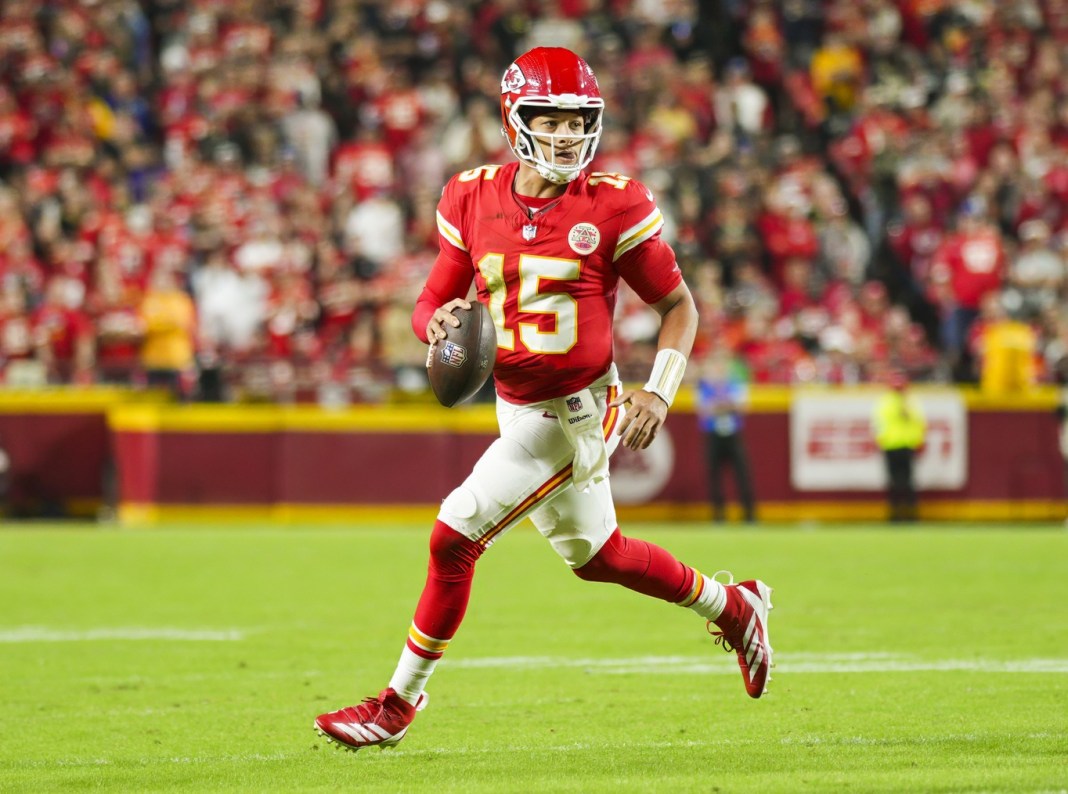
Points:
x=513 y=80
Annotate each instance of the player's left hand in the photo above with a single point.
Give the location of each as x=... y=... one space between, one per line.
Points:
x=645 y=416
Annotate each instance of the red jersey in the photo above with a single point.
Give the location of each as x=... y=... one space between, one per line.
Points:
x=550 y=282
x=61 y=328
x=365 y=166
x=974 y=264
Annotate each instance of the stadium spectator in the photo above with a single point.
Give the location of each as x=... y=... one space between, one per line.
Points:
x=1037 y=274
x=168 y=344
x=1005 y=348
x=229 y=119
x=559 y=396
x=968 y=265
x=837 y=72
x=311 y=133
x=17 y=348
x=119 y=331
x=63 y=333
x=741 y=104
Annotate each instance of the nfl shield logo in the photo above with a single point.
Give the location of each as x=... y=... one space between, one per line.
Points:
x=574 y=404
x=530 y=231
x=453 y=354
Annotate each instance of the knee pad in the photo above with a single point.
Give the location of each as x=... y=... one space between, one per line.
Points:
x=459 y=508
x=500 y=480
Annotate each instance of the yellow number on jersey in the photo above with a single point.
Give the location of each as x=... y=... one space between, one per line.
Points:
x=491 y=266
x=483 y=172
x=563 y=307
x=618 y=181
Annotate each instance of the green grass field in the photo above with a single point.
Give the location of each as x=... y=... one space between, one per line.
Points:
x=923 y=660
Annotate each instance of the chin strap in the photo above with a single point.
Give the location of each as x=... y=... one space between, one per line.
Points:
x=555 y=177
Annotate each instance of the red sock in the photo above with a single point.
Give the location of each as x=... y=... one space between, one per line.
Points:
x=448 y=584
x=640 y=566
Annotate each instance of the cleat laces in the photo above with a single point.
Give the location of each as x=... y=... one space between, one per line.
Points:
x=371 y=708
x=721 y=638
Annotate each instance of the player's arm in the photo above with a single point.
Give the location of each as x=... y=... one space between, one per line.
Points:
x=450 y=278
x=445 y=288
x=647 y=407
x=646 y=262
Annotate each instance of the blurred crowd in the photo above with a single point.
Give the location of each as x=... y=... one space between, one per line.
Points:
x=235 y=199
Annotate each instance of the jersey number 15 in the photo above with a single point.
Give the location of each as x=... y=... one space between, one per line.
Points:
x=533 y=270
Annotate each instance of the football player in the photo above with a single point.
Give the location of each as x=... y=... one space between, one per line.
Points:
x=546 y=245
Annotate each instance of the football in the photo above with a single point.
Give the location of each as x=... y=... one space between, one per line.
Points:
x=464 y=359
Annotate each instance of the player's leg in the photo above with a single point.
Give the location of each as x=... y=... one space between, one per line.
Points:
x=383 y=720
x=582 y=529
x=524 y=467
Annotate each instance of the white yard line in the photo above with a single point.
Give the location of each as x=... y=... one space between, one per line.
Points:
x=785 y=663
x=153 y=761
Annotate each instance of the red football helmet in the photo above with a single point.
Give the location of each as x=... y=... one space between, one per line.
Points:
x=550 y=78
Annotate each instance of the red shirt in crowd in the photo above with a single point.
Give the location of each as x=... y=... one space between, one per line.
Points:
x=366 y=167
x=785 y=237
x=974 y=262
x=59 y=328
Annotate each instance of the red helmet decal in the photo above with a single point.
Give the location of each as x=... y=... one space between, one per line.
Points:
x=513 y=79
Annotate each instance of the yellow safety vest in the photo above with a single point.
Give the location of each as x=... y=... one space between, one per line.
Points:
x=899 y=421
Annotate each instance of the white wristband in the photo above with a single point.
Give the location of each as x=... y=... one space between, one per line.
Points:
x=666 y=377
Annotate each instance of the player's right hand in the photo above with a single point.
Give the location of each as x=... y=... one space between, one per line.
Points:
x=442 y=316
x=645 y=416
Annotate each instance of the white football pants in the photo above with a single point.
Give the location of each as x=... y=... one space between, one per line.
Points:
x=527 y=472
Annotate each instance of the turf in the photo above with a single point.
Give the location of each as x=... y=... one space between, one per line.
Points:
x=928 y=659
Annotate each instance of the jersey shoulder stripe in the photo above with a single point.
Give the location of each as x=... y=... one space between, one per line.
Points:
x=450 y=233
x=639 y=232
x=463 y=191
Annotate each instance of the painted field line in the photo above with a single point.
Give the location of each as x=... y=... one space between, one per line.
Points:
x=796 y=663
x=45 y=634
x=179 y=760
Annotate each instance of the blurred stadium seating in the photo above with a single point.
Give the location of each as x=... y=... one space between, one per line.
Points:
x=851 y=185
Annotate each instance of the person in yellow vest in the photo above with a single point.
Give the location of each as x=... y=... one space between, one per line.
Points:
x=899 y=427
x=168 y=317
